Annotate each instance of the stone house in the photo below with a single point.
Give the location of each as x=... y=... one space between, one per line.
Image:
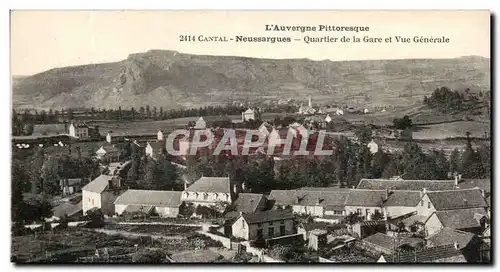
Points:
x=266 y=225
x=210 y=191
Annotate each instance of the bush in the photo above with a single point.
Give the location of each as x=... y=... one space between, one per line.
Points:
x=96 y=219
x=259 y=243
x=146 y=256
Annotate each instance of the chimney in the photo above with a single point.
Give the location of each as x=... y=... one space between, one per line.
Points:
x=424 y=191
x=456 y=245
x=318 y=201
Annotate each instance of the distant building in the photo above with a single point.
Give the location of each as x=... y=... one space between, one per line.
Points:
x=328 y=119
x=163 y=203
x=159 y=135
x=70 y=186
x=100 y=193
x=200 y=124
x=307 y=110
x=265 y=225
x=108 y=153
x=440 y=254
x=153 y=149
x=248 y=115
x=49 y=129
x=80 y=130
x=373 y=146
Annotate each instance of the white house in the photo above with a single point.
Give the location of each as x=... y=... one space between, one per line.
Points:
x=78 y=130
x=328 y=119
x=108 y=138
x=159 y=135
x=200 y=124
x=100 y=194
x=248 y=115
x=209 y=191
x=268 y=224
x=365 y=111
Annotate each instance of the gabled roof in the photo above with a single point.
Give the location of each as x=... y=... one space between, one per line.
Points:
x=448 y=236
x=484 y=184
x=98 y=185
x=462 y=218
x=365 y=198
x=403 y=199
x=150 y=198
x=457 y=199
x=158 y=145
x=267 y=216
x=247 y=202
x=426 y=255
x=412 y=185
x=211 y=185
x=67 y=209
x=49 y=129
x=389 y=243
x=310 y=197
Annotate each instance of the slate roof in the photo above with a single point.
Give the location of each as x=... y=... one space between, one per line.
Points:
x=365 y=198
x=247 y=202
x=484 y=184
x=309 y=197
x=388 y=242
x=461 y=219
x=150 y=198
x=412 y=185
x=267 y=216
x=448 y=236
x=403 y=198
x=211 y=185
x=426 y=255
x=98 y=185
x=49 y=129
x=457 y=199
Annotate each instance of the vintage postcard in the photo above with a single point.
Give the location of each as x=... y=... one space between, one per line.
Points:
x=250 y=137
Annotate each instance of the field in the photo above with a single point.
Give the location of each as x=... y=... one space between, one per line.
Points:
x=72 y=245
x=452 y=130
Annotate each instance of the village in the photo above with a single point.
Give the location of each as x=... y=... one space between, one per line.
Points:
x=224 y=218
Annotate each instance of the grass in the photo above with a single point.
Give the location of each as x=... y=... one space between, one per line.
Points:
x=452 y=130
x=157 y=229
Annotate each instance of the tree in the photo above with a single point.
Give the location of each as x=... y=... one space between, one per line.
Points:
x=455 y=161
x=402 y=123
x=364 y=134
x=35 y=171
x=50 y=176
x=96 y=218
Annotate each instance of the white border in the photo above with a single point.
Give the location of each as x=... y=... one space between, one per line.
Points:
x=187 y=4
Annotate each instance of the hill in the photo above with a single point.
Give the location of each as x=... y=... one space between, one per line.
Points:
x=172 y=80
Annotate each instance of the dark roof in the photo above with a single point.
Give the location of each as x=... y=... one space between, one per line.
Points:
x=425 y=255
x=484 y=184
x=403 y=198
x=315 y=225
x=412 y=185
x=328 y=198
x=98 y=185
x=365 y=198
x=158 y=145
x=448 y=236
x=71 y=181
x=247 y=202
x=457 y=199
x=267 y=216
x=322 y=189
x=67 y=209
x=49 y=129
x=388 y=242
x=150 y=198
x=211 y=185
x=462 y=218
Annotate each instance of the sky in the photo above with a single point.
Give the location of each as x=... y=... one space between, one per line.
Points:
x=42 y=40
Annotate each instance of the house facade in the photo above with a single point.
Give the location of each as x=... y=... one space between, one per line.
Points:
x=100 y=194
x=209 y=191
x=200 y=124
x=248 y=115
x=79 y=130
x=266 y=225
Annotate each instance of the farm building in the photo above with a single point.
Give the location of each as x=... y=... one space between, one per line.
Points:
x=163 y=203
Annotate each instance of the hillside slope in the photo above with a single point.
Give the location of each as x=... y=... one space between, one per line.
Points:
x=171 y=79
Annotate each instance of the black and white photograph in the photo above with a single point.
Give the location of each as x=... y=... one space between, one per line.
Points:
x=318 y=137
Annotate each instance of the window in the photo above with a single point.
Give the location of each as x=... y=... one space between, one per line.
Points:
x=242 y=224
x=282 y=230
x=259 y=233
x=270 y=223
x=358 y=211
x=259 y=225
x=429 y=205
x=205 y=196
x=337 y=212
x=282 y=222
x=367 y=211
x=422 y=203
x=271 y=232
